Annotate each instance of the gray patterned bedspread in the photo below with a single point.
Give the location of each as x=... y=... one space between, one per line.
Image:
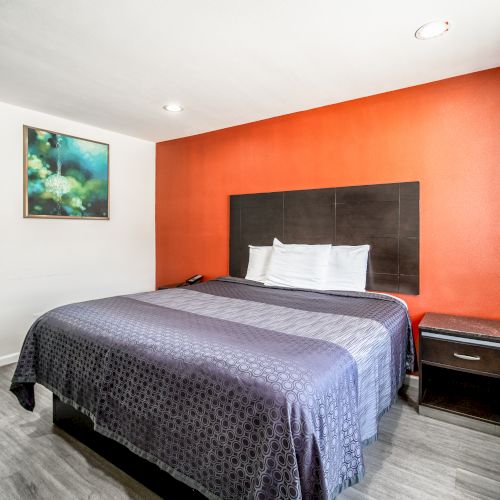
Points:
x=238 y=390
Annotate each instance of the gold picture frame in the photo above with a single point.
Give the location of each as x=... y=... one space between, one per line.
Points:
x=65 y=176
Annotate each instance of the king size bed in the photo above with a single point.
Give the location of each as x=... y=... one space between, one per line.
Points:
x=235 y=388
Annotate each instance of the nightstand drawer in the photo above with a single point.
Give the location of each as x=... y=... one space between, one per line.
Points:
x=461 y=355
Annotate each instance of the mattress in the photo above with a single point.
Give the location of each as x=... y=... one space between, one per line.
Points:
x=237 y=389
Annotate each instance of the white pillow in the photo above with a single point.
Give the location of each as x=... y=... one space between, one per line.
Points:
x=347 y=268
x=258 y=262
x=298 y=266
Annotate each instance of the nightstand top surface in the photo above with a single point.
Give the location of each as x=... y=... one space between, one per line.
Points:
x=462 y=325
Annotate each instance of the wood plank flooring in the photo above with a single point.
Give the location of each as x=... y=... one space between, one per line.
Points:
x=415 y=458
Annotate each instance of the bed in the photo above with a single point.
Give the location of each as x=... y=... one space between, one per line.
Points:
x=237 y=389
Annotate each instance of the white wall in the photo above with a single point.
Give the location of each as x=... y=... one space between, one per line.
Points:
x=45 y=263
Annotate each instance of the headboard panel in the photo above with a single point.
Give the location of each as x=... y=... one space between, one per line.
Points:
x=386 y=216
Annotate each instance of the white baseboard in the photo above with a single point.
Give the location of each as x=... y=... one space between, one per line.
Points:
x=411 y=381
x=9 y=358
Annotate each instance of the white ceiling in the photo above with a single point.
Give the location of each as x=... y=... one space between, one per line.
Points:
x=114 y=63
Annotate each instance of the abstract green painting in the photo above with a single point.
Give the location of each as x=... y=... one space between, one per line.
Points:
x=65 y=176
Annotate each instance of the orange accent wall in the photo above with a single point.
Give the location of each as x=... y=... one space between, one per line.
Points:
x=444 y=134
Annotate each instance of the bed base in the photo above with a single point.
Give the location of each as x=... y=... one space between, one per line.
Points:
x=80 y=427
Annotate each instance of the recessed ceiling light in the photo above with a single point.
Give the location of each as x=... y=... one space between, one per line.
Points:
x=174 y=108
x=432 y=30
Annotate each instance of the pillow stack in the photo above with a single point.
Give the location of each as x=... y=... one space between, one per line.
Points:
x=298 y=266
x=315 y=267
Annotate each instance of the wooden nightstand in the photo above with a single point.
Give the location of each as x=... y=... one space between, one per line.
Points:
x=184 y=284
x=459 y=364
x=171 y=285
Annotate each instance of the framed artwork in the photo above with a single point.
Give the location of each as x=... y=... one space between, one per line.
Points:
x=65 y=177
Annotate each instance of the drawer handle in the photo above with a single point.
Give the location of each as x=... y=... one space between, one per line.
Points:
x=468 y=358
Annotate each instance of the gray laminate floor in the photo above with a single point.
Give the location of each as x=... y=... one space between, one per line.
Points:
x=415 y=458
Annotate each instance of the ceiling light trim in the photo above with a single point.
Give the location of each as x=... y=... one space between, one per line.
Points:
x=432 y=29
x=173 y=107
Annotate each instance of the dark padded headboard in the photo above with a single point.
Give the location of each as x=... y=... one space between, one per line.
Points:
x=385 y=216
